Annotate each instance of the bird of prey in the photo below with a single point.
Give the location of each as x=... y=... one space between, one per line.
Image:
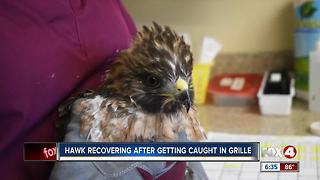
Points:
x=147 y=94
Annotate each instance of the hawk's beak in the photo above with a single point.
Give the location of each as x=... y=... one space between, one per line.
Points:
x=182 y=88
x=181 y=85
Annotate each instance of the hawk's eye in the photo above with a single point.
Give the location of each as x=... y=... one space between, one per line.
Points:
x=152 y=81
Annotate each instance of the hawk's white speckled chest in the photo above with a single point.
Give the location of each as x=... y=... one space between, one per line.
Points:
x=113 y=120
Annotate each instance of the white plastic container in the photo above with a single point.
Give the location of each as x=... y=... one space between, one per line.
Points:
x=314 y=74
x=275 y=104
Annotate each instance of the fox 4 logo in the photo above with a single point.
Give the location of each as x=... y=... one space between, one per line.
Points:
x=289 y=152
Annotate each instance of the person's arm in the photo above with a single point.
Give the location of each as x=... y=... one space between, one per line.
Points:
x=43 y=62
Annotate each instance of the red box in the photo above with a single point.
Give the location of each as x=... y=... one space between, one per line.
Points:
x=289 y=166
x=223 y=92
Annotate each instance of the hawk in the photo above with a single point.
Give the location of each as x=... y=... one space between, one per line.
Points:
x=147 y=94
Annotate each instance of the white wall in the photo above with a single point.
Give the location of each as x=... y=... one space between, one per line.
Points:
x=248 y=26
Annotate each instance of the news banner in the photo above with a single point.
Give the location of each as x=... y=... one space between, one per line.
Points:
x=181 y=151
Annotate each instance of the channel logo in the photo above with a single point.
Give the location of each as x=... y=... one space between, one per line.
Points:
x=288 y=152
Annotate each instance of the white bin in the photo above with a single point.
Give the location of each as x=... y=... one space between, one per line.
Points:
x=275 y=104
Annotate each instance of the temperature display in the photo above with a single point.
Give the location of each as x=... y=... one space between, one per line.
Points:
x=289 y=166
x=279 y=166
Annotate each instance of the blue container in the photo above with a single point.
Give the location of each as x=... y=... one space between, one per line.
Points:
x=307 y=34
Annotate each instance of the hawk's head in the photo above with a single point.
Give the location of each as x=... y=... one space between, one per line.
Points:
x=155 y=73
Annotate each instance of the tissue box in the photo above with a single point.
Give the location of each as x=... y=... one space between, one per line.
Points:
x=275 y=104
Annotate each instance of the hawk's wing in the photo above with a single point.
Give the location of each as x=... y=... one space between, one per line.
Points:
x=113 y=120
